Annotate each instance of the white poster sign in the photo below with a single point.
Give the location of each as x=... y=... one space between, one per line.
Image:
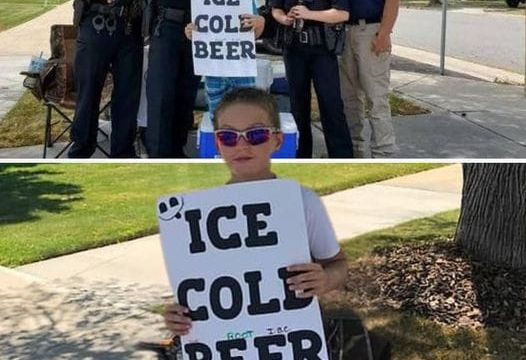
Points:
x=220 y=45
x=226 y=251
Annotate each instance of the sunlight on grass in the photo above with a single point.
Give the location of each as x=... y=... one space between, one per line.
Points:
x=15 y=12
x=49 y=210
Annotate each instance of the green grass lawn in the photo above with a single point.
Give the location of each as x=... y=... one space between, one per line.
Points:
x=439 y=227
x=24 y=124
x=49 y=210
x=15 y=12
x=414 y=337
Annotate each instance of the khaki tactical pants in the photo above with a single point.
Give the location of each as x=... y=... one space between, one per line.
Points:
x=365 y=76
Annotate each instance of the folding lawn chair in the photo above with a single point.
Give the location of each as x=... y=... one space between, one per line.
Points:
x=54 y=86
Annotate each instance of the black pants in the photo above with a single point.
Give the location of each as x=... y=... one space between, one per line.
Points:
x=171 y=88
x=303 y=65
x=96 y=54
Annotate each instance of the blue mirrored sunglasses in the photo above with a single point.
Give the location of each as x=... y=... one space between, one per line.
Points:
x=254 y=136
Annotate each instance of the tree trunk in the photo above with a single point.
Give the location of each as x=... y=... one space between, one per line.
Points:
x=492 y=224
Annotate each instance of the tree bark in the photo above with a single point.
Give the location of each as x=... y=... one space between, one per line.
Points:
x=492 y=223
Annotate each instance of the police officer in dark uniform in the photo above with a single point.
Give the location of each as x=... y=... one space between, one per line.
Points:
x=171 y=85
x=309 y=56
x=109 y=39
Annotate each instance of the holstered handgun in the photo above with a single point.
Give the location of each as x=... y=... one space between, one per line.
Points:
x=335 y=38
x=148 y=16
x=79 y=7
x=288 y=36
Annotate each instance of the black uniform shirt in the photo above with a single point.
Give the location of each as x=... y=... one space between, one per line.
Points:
x=367 y=9
x=176 y=4
x=286 y=5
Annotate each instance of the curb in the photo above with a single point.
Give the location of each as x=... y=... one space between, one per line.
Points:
x=20 y=276
x=461 y=66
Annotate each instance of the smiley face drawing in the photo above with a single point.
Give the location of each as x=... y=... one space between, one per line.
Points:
x=169 y=209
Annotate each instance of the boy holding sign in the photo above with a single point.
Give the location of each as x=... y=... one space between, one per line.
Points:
x=247 y=133
x=218 y=86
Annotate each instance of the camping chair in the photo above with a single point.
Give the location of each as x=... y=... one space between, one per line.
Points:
x=348 y=338
x=54 y=85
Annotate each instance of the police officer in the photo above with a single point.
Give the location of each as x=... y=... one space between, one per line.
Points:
x=109 y=39
x=364 y=75
x=308 y=58
x=171 y=85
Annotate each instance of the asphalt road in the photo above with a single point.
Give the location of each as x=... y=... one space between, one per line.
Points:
x=488 y=39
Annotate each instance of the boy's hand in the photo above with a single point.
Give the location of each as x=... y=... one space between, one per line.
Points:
x=176 y=320
x=188 y=30
x=311 y=282
x=254 y=22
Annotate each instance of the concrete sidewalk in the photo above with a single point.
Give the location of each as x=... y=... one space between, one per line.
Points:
x=469 y=119
x=92 y=304
x=18 y=44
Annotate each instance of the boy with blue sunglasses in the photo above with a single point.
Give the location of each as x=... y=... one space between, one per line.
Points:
x=247 y=133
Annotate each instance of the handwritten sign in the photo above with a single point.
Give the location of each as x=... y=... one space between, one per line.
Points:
x=226 y=251
x=221 y=46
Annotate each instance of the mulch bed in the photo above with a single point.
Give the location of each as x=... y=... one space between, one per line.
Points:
x=439 y=282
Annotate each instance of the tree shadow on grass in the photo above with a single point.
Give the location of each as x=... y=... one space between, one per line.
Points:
x=415 y=337
x=26 y=189
x=501 y=298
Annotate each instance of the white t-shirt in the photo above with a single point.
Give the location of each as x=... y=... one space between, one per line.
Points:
x=322 y=238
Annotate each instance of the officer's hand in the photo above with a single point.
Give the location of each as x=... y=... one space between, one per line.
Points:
x=176 y=320
x=110 y=2
x=300 y=12
x=254 y=22
x=286 y=20
x=381 y=43
x=311 y=281
x=188 y=30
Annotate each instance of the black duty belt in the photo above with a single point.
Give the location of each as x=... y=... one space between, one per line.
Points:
x=175 y=15
x=309 y=35
x=374 y=20
x=116 y=11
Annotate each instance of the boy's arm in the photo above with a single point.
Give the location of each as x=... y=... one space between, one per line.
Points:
x=336 y=269
x=329 y=269
x=319 y=277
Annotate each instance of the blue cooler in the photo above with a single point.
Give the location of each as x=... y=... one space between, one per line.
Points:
x=279 y=85
x=207 y=148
